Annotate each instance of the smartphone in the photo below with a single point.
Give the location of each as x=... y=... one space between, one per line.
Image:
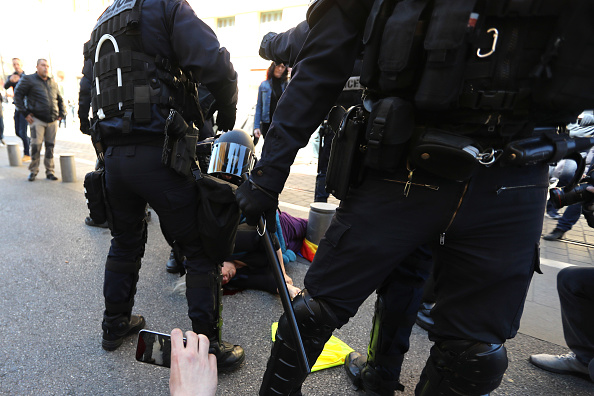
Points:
x=154 y=348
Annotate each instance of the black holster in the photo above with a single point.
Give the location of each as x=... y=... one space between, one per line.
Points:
x=179 y=149
x=94 y=187
x=346 y=154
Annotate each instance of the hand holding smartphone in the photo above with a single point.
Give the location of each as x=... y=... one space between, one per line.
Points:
x=154 y=348
x=193 y=369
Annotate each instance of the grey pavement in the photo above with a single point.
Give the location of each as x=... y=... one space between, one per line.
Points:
x=51 y=278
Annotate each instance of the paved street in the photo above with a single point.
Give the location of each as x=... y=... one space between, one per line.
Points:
x=51 y=301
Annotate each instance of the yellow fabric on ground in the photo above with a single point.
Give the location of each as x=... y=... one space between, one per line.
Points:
x=334 y=353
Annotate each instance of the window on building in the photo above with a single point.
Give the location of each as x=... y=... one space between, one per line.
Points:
x=225 y=22
x=226 y=33
x=271 y=21
x=271 y=16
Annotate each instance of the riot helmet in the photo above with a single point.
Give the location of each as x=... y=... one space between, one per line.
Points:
x=232 y=156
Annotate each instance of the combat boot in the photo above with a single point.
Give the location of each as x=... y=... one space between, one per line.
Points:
x=229 y=356
x=116 y=327
x=364 y=376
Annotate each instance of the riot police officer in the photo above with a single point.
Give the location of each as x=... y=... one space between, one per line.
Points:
x=441 y=77
x=148 y=57
x=399 y=296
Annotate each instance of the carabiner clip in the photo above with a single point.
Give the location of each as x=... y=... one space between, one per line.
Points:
x=495 y=36
x=258 y=229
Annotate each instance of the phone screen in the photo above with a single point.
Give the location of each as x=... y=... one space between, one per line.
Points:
x=154 y=348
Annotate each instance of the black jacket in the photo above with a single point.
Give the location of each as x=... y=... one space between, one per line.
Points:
x=171 y=29
x=43 y=98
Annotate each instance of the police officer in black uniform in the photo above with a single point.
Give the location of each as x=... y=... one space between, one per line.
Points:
x=399 y=296
x=147 y=58
x=443 y=78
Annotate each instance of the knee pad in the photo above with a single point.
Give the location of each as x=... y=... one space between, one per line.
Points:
x=315 y=320
x=462 y=367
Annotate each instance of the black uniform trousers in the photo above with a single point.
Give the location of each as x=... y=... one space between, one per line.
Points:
x=134 y=176
x=484 y=235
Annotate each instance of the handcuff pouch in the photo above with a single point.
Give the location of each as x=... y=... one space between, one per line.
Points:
x=444 y=154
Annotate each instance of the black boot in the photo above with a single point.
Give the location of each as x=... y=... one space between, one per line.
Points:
x=367 y=378
x=173 y=266
x=116 y=327
x=229 y=356
x=378 y=373
x=424 y=319
x=353 y=365
x=206 y=288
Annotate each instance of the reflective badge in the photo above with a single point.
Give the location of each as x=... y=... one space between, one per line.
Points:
x=116 y=8
x=353 y=84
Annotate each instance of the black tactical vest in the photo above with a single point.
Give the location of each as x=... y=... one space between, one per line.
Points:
x=483 y=61
x=126 y=80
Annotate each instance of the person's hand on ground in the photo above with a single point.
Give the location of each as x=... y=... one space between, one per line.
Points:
x=293 y=291
x=193 y=370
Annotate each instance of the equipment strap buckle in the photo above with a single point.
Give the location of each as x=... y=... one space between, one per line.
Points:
x=377 y=132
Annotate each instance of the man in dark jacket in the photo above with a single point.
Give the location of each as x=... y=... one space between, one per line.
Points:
x=20 y=123
x=43 y=109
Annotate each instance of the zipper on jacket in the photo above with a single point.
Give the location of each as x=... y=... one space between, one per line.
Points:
x=442 y=235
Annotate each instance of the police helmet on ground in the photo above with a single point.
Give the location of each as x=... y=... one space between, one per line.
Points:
x=232 y=156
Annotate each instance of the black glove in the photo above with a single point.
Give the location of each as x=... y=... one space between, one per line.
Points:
x=255 y=201
x=85 y=125
x=225 y=120
x=265 y=40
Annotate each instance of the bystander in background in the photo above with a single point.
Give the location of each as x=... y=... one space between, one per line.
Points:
x=38 y=97
x=20 y=123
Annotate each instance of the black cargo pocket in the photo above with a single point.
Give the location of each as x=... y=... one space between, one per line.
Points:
x=335 y=232
x=446 y=48
x=398 y=36
x=178 y=198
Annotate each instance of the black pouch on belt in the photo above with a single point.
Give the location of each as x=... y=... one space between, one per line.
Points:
x=389 y=129
x=346 y=156
x=94 y=193
x=179 y=149
x=445 y=154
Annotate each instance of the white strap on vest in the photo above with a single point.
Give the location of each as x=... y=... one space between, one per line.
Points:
x=109 y=37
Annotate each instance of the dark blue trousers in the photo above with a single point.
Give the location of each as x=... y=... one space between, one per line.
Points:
x=20 y=129
x=484 y=235
x=134 y=176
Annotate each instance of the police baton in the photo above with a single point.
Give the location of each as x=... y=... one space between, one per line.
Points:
x=277 y=271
